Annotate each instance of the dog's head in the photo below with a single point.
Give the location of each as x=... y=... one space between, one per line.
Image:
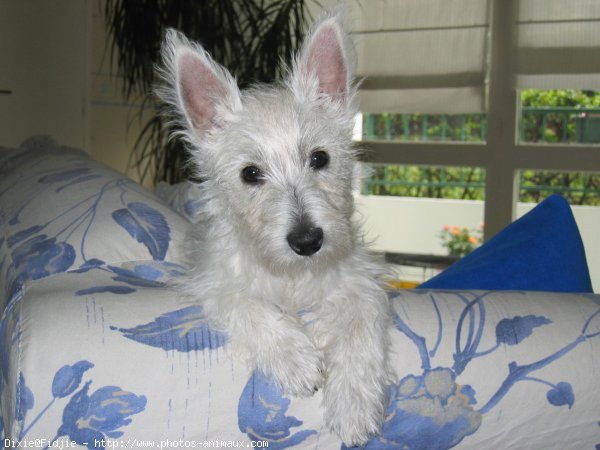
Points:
x=278 y=159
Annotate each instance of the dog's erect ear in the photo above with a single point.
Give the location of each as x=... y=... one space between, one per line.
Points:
x=197 y=87
x=325 y=64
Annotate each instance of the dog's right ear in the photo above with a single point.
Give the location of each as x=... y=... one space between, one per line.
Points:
x=199 y=89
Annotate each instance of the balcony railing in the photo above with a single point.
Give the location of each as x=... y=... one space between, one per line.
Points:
x=539 y=124
x=536 y=125
x=425 y=127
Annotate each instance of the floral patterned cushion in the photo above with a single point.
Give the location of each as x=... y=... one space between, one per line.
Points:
x=61 y=211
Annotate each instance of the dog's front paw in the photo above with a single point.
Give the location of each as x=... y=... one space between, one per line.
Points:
x=295 y=364
x=354 y=413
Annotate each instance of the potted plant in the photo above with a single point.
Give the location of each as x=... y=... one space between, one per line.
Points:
x=460 y=241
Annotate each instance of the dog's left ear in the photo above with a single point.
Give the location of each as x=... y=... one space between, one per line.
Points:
x=324 y=65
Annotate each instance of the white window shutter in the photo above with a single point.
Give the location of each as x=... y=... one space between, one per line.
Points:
x=558 y=44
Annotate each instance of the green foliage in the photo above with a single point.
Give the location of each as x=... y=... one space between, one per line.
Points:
x=542 y=121
x=579 y=188
x=556 y=115
x=434 y=182
x=554 y=97
x=425 y=127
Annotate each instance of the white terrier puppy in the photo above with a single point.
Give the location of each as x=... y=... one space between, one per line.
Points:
x=278 y=261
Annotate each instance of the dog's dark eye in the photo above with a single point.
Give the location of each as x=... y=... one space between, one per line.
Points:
x=319 y=159
x=252 y=175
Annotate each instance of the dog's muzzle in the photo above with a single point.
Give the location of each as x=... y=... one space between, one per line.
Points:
x=305 y=239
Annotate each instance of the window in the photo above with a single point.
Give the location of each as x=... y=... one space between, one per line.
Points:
x=558 y=116
x=480 y=59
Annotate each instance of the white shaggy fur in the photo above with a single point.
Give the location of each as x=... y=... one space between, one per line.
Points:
x=246 y=275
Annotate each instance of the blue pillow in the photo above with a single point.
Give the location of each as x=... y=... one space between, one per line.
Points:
x=541 y=251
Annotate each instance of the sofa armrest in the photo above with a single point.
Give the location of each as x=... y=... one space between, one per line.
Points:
x=88 y=357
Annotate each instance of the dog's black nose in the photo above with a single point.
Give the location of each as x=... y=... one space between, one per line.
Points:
x=305 y=239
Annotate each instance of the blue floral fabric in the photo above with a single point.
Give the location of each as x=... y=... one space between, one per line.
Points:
x=474 y=369
x=72 y=213
x=97 y=349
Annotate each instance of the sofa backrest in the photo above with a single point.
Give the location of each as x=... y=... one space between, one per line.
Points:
x=62 y=211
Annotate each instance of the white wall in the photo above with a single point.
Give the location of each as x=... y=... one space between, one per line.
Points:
x=44 y=62
x=54 y=59
x=412 y=225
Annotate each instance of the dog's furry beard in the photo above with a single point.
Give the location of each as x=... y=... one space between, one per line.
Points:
x=276 y=244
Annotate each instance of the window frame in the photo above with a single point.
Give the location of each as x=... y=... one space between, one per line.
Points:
x=501 y=155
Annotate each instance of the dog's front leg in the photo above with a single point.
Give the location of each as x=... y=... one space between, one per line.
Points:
x=275 y=344
x=354 y=330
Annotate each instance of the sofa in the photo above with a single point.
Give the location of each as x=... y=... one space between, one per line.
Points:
x=97 y=351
